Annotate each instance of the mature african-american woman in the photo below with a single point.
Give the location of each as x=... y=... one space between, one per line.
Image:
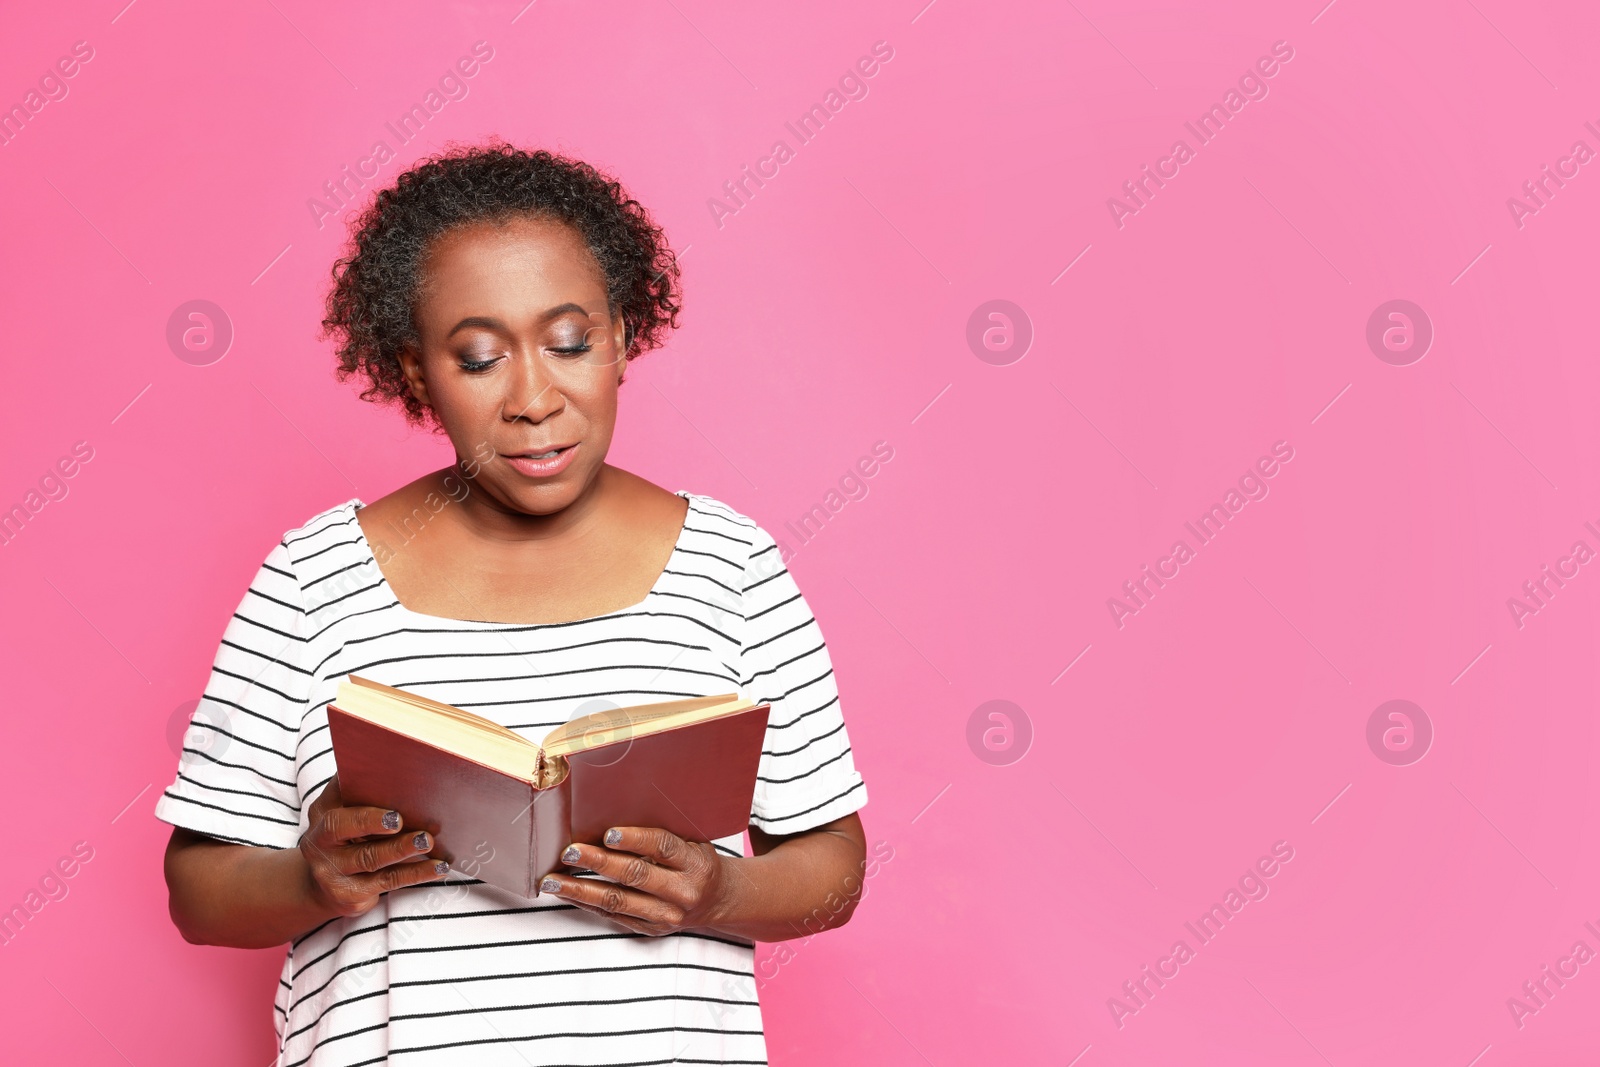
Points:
x=497 y=296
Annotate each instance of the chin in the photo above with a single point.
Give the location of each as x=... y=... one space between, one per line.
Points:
x=544 y=499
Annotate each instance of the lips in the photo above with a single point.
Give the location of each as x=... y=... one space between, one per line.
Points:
x=543 y=462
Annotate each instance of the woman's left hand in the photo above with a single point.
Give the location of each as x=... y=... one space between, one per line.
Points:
x=655 y=882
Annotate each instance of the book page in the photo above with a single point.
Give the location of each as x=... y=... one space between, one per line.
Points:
x=441 y=726
x=465 y=717
x=620 y=724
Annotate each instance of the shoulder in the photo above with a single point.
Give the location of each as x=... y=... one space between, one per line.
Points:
x=330 y=538
x=323 y=530
x=340 y=515
x=735 y=535
x=710 y=515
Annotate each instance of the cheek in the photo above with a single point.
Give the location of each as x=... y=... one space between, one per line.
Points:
x=597 y=406
x=465 y=406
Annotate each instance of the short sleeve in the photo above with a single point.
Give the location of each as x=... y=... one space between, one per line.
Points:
x=236 y=772
x=807 y=775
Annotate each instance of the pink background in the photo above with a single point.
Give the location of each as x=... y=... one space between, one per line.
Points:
x=825 y=315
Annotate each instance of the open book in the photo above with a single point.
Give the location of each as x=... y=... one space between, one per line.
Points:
x=502 y=808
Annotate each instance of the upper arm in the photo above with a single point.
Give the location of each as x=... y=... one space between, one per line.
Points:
x=848 y=828
x=236 y=779
x=807 y=777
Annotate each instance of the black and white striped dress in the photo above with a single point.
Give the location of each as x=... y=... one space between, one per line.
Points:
x=453 y=969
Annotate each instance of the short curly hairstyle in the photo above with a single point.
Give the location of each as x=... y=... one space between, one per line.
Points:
x=370 y=308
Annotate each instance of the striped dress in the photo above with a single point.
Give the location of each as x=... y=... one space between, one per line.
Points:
x=455 y=968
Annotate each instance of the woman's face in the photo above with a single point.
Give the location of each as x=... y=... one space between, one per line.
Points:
x=519 y=357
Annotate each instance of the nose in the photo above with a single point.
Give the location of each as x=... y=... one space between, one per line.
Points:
x=531 y=393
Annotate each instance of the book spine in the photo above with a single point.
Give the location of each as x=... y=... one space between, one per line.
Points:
x=535 y=875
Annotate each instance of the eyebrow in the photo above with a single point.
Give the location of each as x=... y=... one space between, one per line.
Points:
x=488 y=323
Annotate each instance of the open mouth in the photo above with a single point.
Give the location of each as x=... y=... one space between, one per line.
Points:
x=543 y=462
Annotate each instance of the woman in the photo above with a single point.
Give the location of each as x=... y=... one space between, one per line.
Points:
x=498 y=295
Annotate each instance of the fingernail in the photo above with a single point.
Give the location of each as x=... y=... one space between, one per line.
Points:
x=441 y=867
x=570 y=855
x=420 y=842
x=391 y=820
x=549 y=885
x=613 y=837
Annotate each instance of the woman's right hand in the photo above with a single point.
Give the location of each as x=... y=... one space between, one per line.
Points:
x=355 y=854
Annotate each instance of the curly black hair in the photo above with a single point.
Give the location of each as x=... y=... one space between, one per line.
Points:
x=376 y=282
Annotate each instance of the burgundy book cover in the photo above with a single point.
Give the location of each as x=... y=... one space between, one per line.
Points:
x=696 y=781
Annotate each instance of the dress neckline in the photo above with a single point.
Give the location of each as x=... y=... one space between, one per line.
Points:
x=355 y=504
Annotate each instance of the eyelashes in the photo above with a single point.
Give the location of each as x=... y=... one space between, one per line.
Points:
x=478 y=366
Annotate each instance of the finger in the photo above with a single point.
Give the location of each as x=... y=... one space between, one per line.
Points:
x=627 y=922
x=364 y=857
x=344 y=824
x=402 y=874
x=627 y=869
x=653 y=843
x=613 y=899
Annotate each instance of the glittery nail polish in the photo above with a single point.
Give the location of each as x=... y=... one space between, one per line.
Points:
x=549 y=885
x=613 y=837
x=420 y=842
x=442 y=867
x=391 y=820
x=571 y=855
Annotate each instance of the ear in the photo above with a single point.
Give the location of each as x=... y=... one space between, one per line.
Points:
x=619 y=342
x=411 y=369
